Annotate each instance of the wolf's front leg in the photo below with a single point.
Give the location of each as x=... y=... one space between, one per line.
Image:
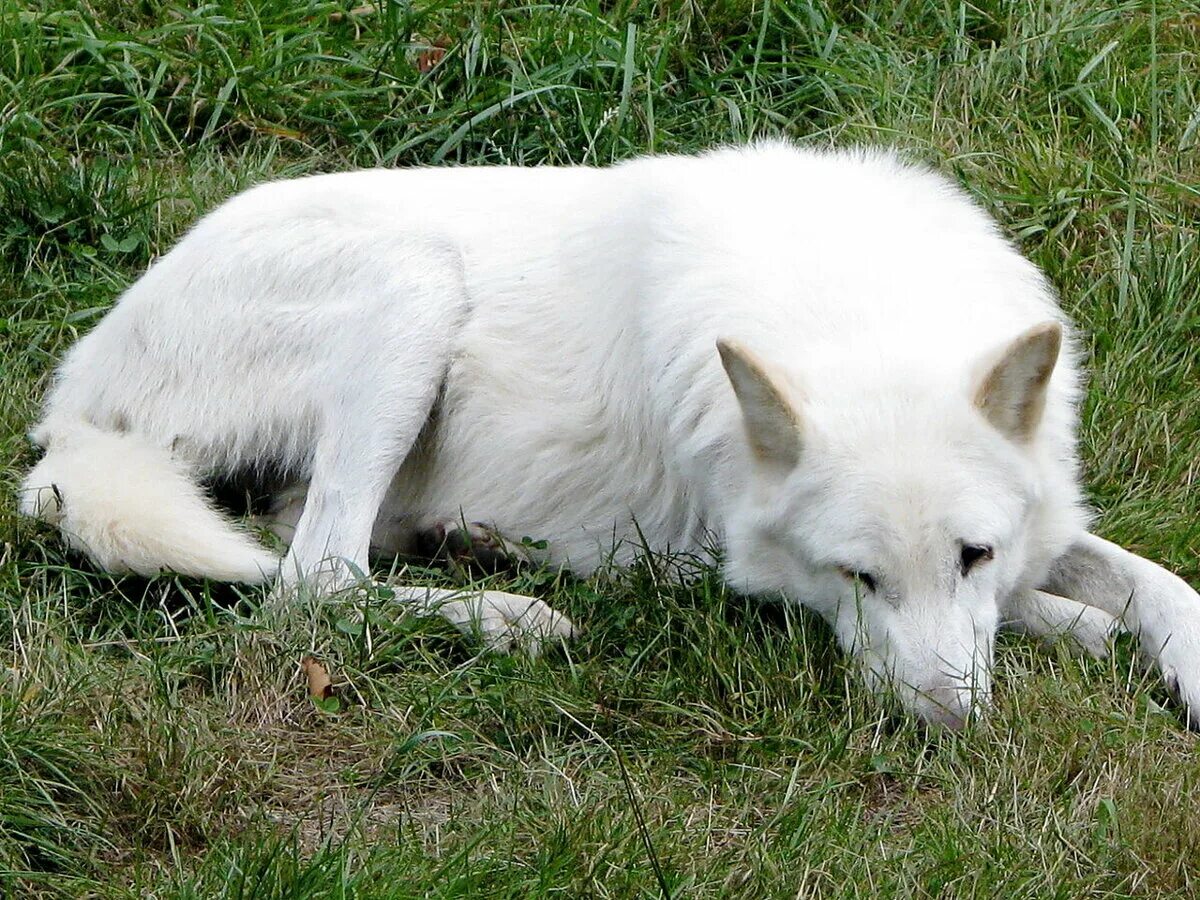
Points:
x=504 y=621
x=1052 y=618
x=1157 y=606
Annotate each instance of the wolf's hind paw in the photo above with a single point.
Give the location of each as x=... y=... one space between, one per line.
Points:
x=471 y=543
x=503 y=621
x=510 y=621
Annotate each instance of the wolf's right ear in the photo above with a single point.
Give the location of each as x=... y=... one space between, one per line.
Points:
x=772 y=423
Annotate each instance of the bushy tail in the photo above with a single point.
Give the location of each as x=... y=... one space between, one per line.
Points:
x=131 y=507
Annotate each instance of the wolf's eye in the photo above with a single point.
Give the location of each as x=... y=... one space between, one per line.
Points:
x=972 y=554
x=866 y=579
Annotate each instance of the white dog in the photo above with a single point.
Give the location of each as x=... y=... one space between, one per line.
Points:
x=831 y=363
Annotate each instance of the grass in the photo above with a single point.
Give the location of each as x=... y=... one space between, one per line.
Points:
x=156 y=739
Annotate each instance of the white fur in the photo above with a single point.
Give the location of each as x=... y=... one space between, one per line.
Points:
x=536 y=349
x=133 y=508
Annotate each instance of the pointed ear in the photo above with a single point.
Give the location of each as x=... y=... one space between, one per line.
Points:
x=1012 y=394
x=772 y=423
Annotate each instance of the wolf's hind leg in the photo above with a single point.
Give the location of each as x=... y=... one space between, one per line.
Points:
x=388 y=361
x=1052 y=618
x=1161 y=609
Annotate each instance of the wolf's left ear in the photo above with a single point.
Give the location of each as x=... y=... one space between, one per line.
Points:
x=772 y=423
x=1012 y=394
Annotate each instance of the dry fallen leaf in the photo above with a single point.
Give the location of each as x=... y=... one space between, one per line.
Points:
x=430 y=57
x=320 y=685
x=367 y=9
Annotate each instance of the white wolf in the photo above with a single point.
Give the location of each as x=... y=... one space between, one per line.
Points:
x=830 y=362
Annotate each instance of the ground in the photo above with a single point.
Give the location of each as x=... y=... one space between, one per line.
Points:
x=157 y=738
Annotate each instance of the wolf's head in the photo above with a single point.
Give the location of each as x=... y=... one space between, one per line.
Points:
x=904 y=515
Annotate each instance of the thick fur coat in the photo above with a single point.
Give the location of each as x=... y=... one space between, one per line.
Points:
x=829 y=365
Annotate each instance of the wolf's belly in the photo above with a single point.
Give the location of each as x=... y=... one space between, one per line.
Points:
x=542 y=453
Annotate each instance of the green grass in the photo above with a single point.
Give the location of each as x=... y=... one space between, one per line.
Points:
x=156 y=738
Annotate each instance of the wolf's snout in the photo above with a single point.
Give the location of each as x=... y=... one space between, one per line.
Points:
x=946 y=707
x=943 y=699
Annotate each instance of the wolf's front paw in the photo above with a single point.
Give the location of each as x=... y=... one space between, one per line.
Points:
x=1093 y=632
x=1179 y=662
x=1169 y=635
